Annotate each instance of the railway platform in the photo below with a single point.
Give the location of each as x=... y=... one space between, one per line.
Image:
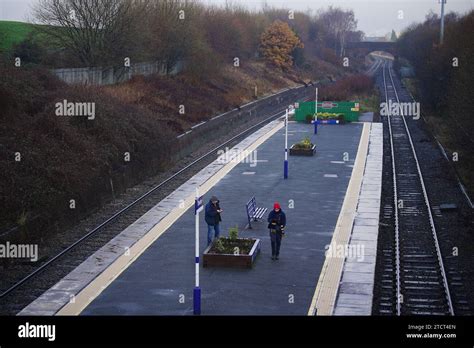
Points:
x=149 y=268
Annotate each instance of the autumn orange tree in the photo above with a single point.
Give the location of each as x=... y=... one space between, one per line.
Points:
x=278 y=42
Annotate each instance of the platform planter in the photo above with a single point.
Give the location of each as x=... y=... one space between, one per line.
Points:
x=304 y=148
x=237 y=253
x=299 y=151
x=326 y=118
x=330 y=118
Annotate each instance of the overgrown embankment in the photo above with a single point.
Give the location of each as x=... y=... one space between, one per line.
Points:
x=444 y=84
x=60 y=167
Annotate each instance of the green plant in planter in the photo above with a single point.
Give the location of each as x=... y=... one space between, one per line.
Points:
x=304 y=144
x=234 y=232
x=219 y=245
x=327 y=116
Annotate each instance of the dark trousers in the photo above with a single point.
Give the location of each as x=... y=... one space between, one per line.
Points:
x=275 y=237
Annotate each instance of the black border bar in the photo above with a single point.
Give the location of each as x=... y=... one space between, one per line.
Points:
x=210 y=330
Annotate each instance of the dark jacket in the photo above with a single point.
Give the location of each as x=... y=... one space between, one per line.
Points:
x=212 y=217
x=279 y=219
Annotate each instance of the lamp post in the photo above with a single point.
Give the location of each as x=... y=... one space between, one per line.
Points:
x=198 y=206
x=441 y=33
x=316 y=113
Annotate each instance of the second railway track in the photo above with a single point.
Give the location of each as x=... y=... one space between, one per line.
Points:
x=414 y=280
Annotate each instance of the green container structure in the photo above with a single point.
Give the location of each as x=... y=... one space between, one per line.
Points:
x=350 y=109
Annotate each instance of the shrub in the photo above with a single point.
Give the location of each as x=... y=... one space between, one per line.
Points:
x=234 y=232
x=329 y=116
x=347 y=87
x=64 y=157
x=219 y=245
x=304 y=144
x=278 y=42
x=29 y=51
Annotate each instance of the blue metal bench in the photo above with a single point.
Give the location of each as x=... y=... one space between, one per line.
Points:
x=253 y=212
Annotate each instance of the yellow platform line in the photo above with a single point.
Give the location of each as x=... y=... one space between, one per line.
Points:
x=325 y=294
x=102 y=281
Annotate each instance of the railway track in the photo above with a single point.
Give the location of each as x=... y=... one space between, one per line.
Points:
x=374 y=67
x=414 y=280
x=32 y=285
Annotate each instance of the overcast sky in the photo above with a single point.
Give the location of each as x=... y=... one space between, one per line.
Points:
x=375 y=17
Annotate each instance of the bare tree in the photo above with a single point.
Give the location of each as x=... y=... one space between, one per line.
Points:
x=354 y=36
x=171 y=30
x=338 y=23
x=96 y=31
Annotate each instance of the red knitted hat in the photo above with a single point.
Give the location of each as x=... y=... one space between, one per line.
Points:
x=276 y=205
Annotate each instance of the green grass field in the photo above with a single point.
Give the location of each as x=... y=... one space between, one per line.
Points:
x=13 y=32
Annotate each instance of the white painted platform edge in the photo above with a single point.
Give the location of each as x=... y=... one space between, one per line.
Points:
x=355 y=292
x=325 y=294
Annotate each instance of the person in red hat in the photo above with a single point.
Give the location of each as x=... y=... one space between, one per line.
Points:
x=276 y=224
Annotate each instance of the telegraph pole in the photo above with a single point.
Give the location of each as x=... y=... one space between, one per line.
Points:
x=441 y=34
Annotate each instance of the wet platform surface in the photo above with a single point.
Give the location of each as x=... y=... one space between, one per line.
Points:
x=161 y=280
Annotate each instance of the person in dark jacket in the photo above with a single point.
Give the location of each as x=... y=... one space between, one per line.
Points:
x=213 y=218
x=276 y=224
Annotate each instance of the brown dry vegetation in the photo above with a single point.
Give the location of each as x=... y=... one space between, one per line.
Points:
x=348 y=87
x=234 y=87
x=65 y=158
